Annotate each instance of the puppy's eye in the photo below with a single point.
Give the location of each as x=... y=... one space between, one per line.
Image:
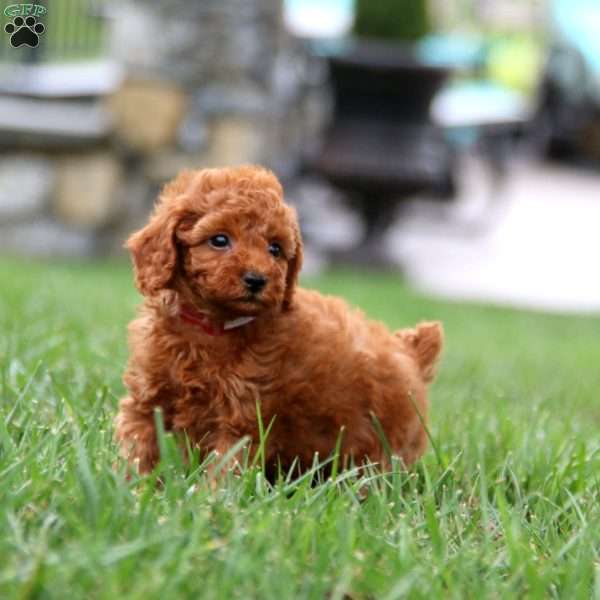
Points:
x=275 y=249
x=219 y=241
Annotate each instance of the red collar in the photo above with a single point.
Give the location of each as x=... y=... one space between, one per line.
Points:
x=189 y=314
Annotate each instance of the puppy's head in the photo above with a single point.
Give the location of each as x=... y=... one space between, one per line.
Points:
x=223 y=239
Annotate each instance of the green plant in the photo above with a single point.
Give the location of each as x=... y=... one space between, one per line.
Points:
x=399 y=20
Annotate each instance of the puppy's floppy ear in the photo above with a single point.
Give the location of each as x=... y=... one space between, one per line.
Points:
x=154 y=252
x=294 y=263
x=153 y=248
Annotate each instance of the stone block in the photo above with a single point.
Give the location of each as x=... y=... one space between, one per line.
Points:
x=147 y=114
x=87 y=190
x=160 y=167
x=232 y=140
x=26 y=183
x=235 y=140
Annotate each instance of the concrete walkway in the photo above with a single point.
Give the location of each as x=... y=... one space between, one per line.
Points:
x=538 y=246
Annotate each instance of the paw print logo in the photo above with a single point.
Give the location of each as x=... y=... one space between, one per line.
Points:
x=24 y=32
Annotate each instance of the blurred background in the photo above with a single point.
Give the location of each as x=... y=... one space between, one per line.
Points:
x=454 y=142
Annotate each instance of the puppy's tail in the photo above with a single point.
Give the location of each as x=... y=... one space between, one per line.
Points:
x=426 y=341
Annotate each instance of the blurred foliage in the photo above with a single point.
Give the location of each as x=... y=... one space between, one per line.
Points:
x=516 y=61
x=399 y=20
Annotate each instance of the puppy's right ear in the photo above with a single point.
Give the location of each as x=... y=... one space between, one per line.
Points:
x=154 y=253
x=153 y=248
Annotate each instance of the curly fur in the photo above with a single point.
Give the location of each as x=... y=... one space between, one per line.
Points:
x=312 y=364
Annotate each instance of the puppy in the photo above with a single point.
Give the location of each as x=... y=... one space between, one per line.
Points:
x=224 y=329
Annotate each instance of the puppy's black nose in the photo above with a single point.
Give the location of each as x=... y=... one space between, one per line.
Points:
x=254 y=282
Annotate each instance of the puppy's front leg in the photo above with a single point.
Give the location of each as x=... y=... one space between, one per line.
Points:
x=224 y=459
x=136 y=434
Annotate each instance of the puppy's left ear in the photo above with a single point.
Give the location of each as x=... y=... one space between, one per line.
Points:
x=294 y=263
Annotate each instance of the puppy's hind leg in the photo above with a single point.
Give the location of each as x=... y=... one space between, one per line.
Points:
x=426 y=341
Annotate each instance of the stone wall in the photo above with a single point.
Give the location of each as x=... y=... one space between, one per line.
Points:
x=208 y=83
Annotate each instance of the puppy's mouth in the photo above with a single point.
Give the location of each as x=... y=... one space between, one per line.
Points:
x=250 y=300
x=246 y=305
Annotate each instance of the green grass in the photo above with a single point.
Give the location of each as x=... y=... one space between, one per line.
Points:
x=510 y=507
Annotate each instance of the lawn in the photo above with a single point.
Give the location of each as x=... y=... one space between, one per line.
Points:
x=508 y=505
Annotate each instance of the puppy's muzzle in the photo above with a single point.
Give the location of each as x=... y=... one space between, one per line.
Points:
x=254 y=282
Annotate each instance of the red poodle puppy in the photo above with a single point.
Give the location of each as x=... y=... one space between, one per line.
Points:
x=224 y=329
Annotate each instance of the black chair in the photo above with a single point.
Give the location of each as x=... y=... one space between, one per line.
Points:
x=381 y=146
